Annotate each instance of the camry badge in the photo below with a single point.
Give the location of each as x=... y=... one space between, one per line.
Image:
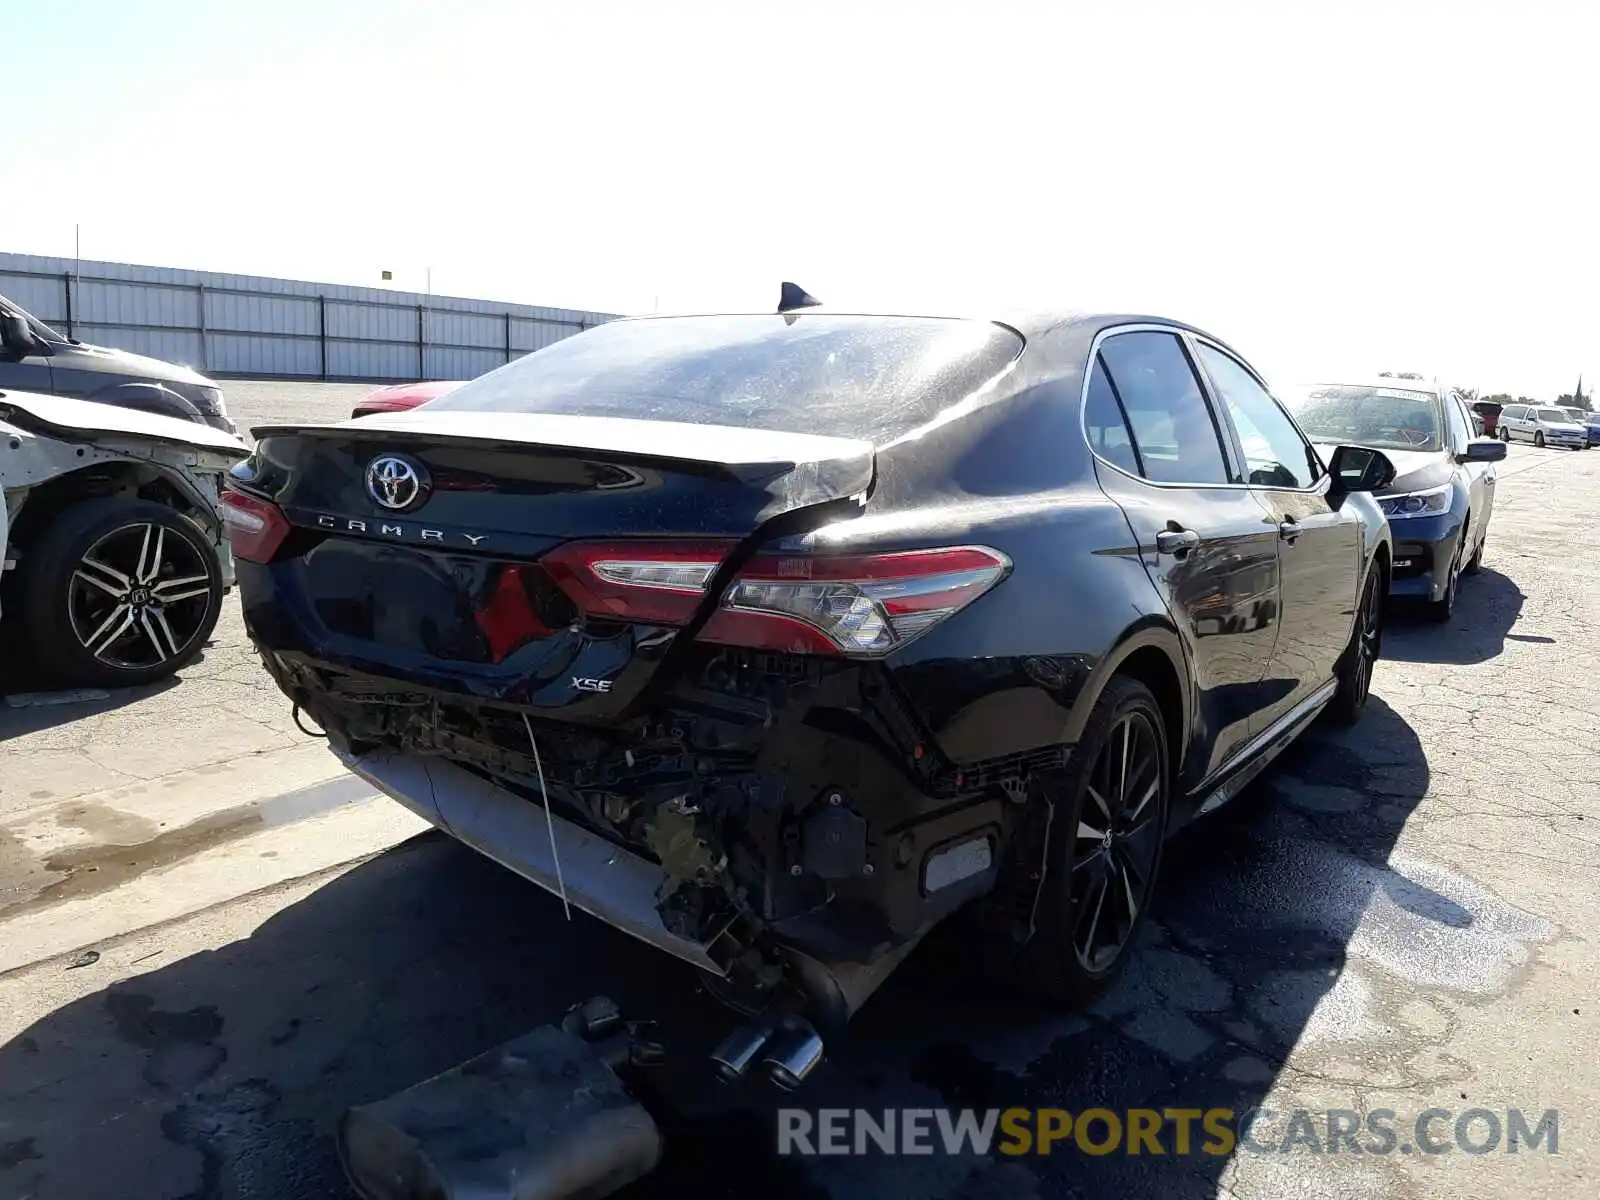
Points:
x=396 y=483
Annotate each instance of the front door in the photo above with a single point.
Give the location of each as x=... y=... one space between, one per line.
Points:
x=1204 y=540
x=1319 y=543
x=1480 y=476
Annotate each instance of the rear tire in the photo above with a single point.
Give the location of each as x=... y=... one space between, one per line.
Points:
x=90 y=616
x=1355 y=668
x=1107 y=829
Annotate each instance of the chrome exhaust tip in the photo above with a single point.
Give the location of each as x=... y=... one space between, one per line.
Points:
x=794 y=1053
x=736 y=1053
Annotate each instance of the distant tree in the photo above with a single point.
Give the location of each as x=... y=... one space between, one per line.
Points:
x=1501 y=398
x=1526 y=400
x=1568 y=400
x=1468 y=394
x=1398 y=375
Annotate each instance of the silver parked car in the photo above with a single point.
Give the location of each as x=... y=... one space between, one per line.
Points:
x=1543 y=425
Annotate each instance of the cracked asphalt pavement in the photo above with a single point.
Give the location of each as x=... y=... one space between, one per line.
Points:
x=1396 y=916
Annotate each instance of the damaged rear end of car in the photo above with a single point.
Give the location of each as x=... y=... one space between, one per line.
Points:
x=574 y=615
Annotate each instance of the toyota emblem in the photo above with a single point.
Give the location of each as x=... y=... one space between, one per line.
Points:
x=396 y=483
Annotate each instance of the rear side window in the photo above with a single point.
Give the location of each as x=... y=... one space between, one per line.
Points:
x=1108 y=428
x=1174 y=434
x=868 y=377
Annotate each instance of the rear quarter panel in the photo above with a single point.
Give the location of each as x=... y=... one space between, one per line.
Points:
x=1020 y=668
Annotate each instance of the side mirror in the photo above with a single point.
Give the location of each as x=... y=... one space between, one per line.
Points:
x=1486 y=450
x=1360 y=469
x=14 y=333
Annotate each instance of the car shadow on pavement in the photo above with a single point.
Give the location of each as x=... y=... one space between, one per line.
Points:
x=44 y=706
x=1487 y=607
x=221 y=1074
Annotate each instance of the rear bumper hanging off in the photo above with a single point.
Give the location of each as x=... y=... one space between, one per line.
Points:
x=603 y=879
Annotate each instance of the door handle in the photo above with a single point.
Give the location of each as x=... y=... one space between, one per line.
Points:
x=1288 y=529
x=1176 y=542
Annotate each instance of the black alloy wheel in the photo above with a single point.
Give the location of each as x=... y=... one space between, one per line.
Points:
x=1355 y=668
x=1442 y=608
x=121 y=592
x=137 y=598
x=1117 y=842
x=1105 y=818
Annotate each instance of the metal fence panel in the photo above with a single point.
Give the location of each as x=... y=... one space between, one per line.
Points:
x=467 y=329
x=110 y=305
x=461 y=362
x=262 y=314
x=372 y=360
x=173 y=345
x=247 y=325
x=45 y=298
x=241 y=354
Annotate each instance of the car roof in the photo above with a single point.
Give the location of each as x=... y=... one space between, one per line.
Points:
x=1430 y=386
x=1030 y=322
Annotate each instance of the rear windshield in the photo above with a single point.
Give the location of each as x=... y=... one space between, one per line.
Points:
x=873 y=378
x=1382 y=417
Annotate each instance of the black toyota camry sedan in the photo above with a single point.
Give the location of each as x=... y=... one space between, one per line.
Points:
x=1442 y=495
x=775 y=639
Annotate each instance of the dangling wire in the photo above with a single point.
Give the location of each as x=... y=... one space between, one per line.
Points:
x=295 y=714
x=549 y=821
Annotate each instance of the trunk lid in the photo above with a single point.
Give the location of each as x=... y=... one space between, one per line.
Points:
x=422 y=539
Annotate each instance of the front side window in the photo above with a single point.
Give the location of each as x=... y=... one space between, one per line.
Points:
x=1383 y=418
x=1275 y=455
x=1174 y=434
x=1460 y=427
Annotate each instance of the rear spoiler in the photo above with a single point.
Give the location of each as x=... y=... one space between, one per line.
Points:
x=817 y=467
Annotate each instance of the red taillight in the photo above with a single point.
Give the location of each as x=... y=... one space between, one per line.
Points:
x=662 y=581
x=859 y=605
x=256 y=528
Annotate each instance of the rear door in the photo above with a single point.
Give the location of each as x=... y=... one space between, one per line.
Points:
x=1204 y=538
x=1319 y=544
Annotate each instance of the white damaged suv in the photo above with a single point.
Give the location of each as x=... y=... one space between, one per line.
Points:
x=114 y=560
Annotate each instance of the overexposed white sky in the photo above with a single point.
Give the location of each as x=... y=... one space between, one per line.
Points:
x=1329 y=186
